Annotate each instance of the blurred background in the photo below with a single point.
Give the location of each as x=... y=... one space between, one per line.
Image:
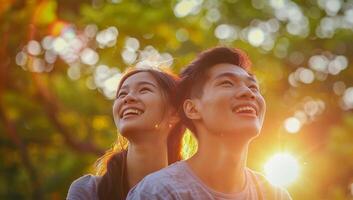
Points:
x=61 y=62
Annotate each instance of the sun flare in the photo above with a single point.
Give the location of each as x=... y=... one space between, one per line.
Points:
x=282 y=169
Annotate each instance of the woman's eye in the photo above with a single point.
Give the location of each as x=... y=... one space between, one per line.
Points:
x=226 y=83
x=121 y=95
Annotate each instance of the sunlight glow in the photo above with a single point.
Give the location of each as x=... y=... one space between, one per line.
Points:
x=282 y=169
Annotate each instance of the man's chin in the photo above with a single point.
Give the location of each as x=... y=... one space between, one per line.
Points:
x=247 y=132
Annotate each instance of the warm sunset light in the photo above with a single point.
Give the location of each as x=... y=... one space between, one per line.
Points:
x=67 y=64
x=282 y=169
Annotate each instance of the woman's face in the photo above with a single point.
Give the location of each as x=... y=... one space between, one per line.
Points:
x=140 y=105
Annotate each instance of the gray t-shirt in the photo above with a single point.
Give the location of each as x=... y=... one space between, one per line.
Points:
x=84 y=188
x=179 y=182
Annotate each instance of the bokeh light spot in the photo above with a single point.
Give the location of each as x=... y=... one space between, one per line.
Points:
x=34 y=48
x=256 y=36
x=306 y=76
x=21 y=58
x=132 y=44
x=89 y=56
x=186 y=7
x=339 y=87
x=226 y=32
x=59 y=45
x=292 y=125
x=348 y=97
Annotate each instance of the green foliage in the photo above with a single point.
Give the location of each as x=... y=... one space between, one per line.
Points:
x=45 y=117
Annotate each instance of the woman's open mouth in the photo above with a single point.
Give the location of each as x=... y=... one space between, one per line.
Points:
x=129 y=112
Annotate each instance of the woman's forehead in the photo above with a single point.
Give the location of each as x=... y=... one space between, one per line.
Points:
x=138 y=79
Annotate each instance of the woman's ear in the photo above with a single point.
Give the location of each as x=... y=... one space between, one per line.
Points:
x=191 y=109
x=174 y=118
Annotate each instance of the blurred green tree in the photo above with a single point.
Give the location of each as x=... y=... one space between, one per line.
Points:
x=61 y=62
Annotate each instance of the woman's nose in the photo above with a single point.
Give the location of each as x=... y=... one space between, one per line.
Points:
x=130 y=98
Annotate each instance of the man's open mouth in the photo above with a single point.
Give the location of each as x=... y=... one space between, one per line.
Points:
x=245 y=109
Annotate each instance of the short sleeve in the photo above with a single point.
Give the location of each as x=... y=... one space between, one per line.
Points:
x=150 y=189
x=271 y=191
x=83 y=188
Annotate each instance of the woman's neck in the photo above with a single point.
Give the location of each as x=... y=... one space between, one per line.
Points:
x=143 y=159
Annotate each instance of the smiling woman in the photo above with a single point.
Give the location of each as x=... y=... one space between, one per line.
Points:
x=145 y=114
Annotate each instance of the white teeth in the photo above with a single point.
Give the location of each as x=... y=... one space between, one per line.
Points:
x=132 y=111
x=245 y=108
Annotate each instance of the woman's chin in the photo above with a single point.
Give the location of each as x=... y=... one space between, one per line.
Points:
x=132 y=130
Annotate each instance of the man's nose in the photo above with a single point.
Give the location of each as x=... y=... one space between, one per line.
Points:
x=246 y=93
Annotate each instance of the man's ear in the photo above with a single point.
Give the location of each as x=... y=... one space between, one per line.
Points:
x=191 y=109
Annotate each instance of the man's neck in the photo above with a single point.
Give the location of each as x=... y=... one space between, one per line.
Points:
x=220 y=164
x=143 y=159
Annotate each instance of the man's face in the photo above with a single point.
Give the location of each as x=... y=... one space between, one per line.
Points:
x=231 y=102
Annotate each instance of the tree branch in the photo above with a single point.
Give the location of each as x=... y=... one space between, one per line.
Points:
x=51 y=108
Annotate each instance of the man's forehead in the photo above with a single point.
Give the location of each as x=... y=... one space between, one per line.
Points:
x=230 y=70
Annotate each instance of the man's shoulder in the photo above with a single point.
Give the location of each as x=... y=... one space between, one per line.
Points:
x=83 y=187
x=268 y=189
x=161 y=184
x=166 y=175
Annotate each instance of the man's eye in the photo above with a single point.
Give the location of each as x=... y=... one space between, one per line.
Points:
x=254 y=87
x=145 y=89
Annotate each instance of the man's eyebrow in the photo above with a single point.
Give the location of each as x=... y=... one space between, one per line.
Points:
x=251 y=77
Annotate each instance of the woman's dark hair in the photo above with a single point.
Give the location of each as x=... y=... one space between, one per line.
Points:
x=112 y=166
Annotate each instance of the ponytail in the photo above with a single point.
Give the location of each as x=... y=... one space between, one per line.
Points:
x=114 y=184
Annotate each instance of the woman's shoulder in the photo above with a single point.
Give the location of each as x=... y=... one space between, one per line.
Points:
x=84 y=187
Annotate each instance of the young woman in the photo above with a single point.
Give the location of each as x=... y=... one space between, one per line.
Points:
x=145 y=113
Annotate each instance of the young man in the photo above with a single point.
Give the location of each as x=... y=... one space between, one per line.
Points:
x=221 y=104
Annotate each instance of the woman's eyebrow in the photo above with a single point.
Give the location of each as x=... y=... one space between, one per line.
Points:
x=146 y=83
x=139 y=83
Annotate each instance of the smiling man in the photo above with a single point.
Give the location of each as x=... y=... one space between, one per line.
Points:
x=221 y=103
